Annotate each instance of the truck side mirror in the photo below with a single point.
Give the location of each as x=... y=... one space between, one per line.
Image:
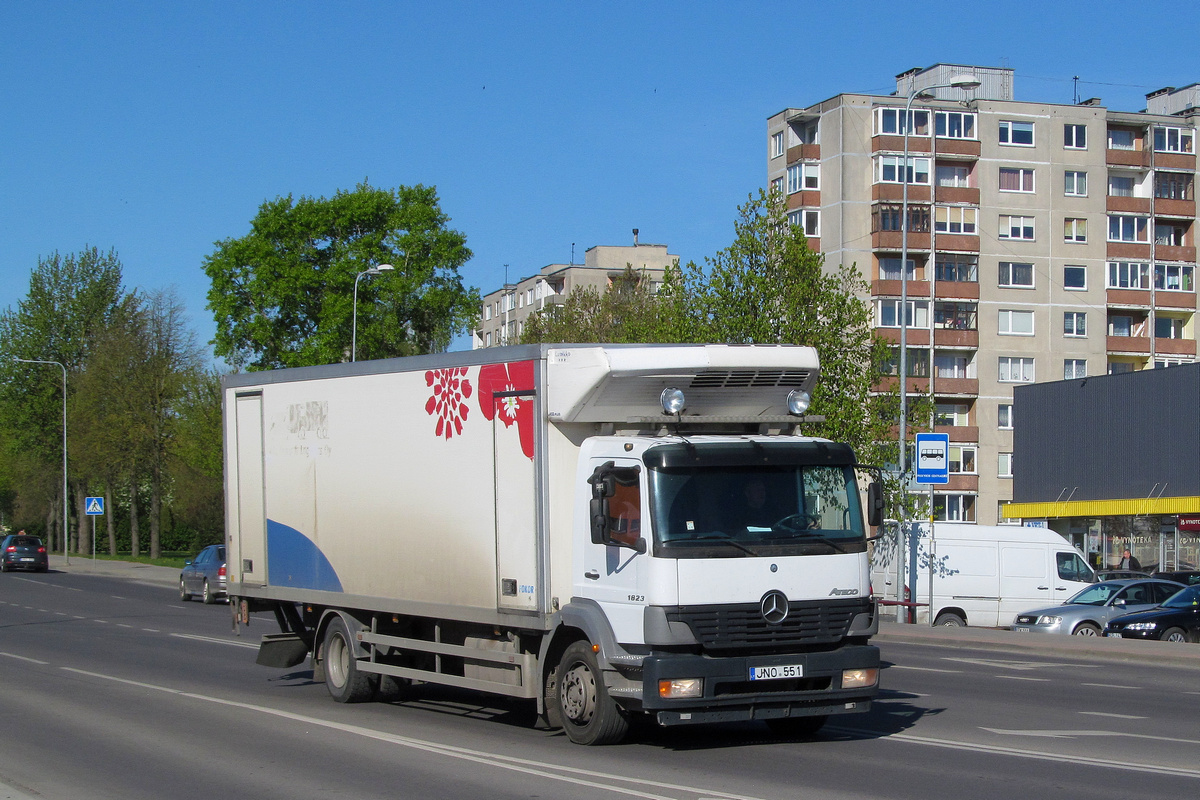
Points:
x=598 y=510
x=874 y=503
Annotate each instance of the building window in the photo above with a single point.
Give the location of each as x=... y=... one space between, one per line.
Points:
x=1128 y=229
x=1119 y=367
x=1173 y=140
x=1075 y=137
x=1018 y=133
x=891 y=121
x=954 y=219
x=808 y=219
x=1004 y=467
x=1172 y=234
x=1120 y=185
x=954 y=415
x=954 y=507
x=1075 y=183
x=1012 y=227
x=957 y=268
x=1016 y=276
x=1168 y=328
x=1120 y=325
x=1074 y=368
x=1074 y=230
x=1015 y=179
x=1173 y=186
x=777 y=185
x=887 y=216
x=889 y=314
x=954 y=316
x=1016 y=323
x=1075 y=323
x=1174 y=277
x=1120 y=139
x=1000 y=518
x=803 y=176
x=487 y=312
x=890 y=169
x=487 y=340
x=889 y=269
x=954 y=124
x=1014 y=369
x=1074 y=277
x=952 y=176
x=1128 y=275
x=962 y=460
x=776 y=144
x=1004 y=416
x=953 y=365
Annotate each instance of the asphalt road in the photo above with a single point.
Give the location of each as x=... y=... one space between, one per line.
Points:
x=114 y=688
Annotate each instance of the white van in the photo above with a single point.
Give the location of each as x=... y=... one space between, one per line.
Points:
x=981 y=574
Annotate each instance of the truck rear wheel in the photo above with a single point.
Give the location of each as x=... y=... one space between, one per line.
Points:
x=345 y=682
x=589 y=715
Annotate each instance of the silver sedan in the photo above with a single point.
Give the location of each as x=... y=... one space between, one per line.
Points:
x=1089 y=610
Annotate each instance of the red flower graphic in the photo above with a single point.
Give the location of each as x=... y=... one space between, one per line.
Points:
x=450 y=389
x=504 y=378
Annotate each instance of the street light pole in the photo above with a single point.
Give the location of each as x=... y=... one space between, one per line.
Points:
x=65 y=534
x=957 y=82
x=354 y=324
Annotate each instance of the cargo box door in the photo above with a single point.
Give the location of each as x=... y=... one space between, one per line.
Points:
x=516 y=504
x=247 y=560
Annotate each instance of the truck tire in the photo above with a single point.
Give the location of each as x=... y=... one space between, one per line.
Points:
x=345 y=682
x=948 y=619
x=589 y=715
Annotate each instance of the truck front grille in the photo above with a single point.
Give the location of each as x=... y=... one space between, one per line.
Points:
x=750 y=378
x=741 y=626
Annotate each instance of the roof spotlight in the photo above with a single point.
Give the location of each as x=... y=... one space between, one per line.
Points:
x=672 y=401
x=798 y=401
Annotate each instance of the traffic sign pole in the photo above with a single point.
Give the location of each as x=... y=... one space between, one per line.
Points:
x=94 y=507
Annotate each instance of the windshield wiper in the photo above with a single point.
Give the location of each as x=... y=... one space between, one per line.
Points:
x=721 y=536
x=821 y=539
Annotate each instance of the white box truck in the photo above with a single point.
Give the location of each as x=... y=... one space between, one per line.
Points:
x=606 y=530
x=981 y=574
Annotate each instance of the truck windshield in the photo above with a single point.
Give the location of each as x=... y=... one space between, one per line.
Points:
x=736 y=510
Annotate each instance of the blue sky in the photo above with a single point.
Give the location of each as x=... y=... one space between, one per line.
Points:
x=158 y=128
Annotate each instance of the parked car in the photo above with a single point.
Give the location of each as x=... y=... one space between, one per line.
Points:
x=1086 y=613
x=1176 y=620
x=1186 y=577
x=1118 y=574
x=204 y=575
x=22 y=551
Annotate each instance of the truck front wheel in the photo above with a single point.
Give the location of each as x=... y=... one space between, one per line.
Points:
x=589 y=715
x=345 y=682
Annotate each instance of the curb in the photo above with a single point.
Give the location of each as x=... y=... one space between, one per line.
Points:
x=127 y=570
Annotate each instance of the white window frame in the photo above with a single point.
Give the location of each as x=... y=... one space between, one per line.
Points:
x=1075 y=183
x=964 y=218
x=1072 y=368
x=1015 y=369
x=1023 y=227
x=952 y=415
x=1176 y=324
x=918 y=313
x=1073 y=133
x=807 y=219
x=803 y=176
x=1004 y=417
x=1082 y=271
x=777 y=146
x=963 y=458
x=1007 y=276
x=777 y=185
x=965 y=127
x=1131 y=228
x=1010 y=126
x=1075 y=324
x=1004 y=464
x=1174 y=140
x=890 y=121
x=955 y=507
x=917 y=165
x=1184 y=277
x=912 y=268
x=959 y=176
x=1112 y=145
x=1025 y=177
x=1015 y=322
x=1075 y=230
x=1121 y=176
x=1128 y=275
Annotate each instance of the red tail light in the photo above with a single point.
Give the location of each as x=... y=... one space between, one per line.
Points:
x=221 y=572
x=12 y=548
x=41 y=549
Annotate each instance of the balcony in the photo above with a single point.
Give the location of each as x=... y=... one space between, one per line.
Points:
x=1129 y=251
x=809 y=198
x=956 y=387
x=1128 y=158
x=959 y=242
x=956 y=290
x=1175 y=347
x=888 y=143
x=917 y=337
x=1175 y=161
x=943 y=337
x=1168 y=252
x=891 y=288
x=962 y=483
x=1167 y=207
x=957 y=433
x=894 y=192
x=966 y=195
x=1127 y=344
x=890 y=240
x=803 y=152
x=892 y=383
x=1128 y=205
x=969 y=148
x=1135 y=298
x=1171 y=299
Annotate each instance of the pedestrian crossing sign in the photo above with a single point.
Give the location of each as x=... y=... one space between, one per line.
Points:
x=94 y=506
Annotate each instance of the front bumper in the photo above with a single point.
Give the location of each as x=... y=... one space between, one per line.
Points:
x=730 y=696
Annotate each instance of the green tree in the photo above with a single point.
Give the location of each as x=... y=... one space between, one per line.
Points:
x=282 y=296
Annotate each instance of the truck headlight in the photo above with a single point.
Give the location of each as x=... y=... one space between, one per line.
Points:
x=681 y=687
x=859 y=678
x=798 y=401
x=1048 y=619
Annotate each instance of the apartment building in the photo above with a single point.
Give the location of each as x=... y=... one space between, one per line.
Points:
x=504 y=312
x=1045 y=242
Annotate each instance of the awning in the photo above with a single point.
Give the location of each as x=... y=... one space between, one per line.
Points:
x=1136 y=507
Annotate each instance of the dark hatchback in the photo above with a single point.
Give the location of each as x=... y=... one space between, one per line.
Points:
x=1176 y=620
x=21 y=551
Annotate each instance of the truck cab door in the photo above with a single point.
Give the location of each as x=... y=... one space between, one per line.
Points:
x=613 y=574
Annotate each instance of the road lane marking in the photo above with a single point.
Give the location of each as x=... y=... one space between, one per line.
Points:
x=1021 y=678
x=101 y=621
x=1113 y=686
x=1108 y=714
x=925 y=669
x=998 y=663
x=123 y=625
x=151 y=630
x=24 y=658
x=581 y=777
x=1053 y=734
x=250 y=645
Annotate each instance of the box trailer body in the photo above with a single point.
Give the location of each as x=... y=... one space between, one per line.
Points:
x=981 y=574
x=524 y=520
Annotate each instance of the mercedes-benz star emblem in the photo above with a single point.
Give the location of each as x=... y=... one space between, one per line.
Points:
x=774 y=606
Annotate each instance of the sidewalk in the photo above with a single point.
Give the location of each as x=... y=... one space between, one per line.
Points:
x=128 y=570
